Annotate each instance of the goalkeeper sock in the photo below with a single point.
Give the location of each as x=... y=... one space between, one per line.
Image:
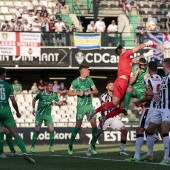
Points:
x=150 y=140
x=34 y=138
x=1 y=142
x=113 y=113
x=20 y=143
x=138 y=145
x=105 y=106
x=51 y=138
x=127 y=100
x=73 y=135
x=94 y=136
x=166 y=144
x=10 y=142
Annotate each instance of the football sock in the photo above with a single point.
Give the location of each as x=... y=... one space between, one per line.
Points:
x=34 y=138
x=166 y=144
x=20 y=143
x=105 y=106
x=127 y=100
x=122 y=145
x=73 y=135
x=51 y=138
x=94 y=135
x=10 y=142
x=150 y=140
x=113 y=113
x=1 y=142
x=138 y=145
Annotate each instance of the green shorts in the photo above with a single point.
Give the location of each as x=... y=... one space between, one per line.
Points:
x=139 y=92
x=46 y=118
x=84 y=110
x=6 y=117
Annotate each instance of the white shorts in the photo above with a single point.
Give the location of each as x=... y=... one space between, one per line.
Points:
x=160 y=115
x=114 y=123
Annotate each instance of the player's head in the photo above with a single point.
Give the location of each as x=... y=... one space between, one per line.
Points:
x=2 y=73
x=142 y=64
x=152 y=66
x=84 y=70
x=49 y=86
x=110 y=86
x=119 y=50
x=166 y=65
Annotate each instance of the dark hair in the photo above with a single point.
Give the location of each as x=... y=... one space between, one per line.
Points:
x=152 y=66
x=142 y=60
x=118 y=50
x=167 y=61
x=110 y=81
x=2 y=71
x=47 y=83
x=83 y=66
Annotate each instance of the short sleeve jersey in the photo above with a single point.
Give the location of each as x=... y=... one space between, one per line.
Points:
x=125 y=64
x=45 y=102
x=84 y=85
x=6 y=90
x=17 y=87
x=140 y=78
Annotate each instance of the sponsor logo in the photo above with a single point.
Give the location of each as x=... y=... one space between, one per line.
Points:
x=80 y=57
x=4 y=36
x=30 y=51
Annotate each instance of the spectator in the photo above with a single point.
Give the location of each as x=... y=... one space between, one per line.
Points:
x=12 y=24
x=30 y=18
x=62 y=4
x=141 y=34
x=162 y=2
x=153 y=18
x=81 y=26
x=34 y=88
x=131 y=3
x=45 y=29
x=123 y=3
x=44 y=10
x=6 y=27
x=27 y=27
x=19 y=27
x=38 y=6
x=17 y=87
x=62 y=94
x=100 y=25
x=90 y=27
x=52 y=31
x=30 y=6
x=41 y=85
x=72 y=29
x=59 y=29
x=167 y=21
x=112 y=30
x=56 y=87
x=56 y=17
x=17 y=13
x=36 y=26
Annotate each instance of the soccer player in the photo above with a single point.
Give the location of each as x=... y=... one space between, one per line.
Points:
x=83 y=87
x=152 y=83
x=136 y=83
x=161 y=113
x=5 y=131
x=43 y=113
x=6 y=117
x=121 y=83
x=115 y=123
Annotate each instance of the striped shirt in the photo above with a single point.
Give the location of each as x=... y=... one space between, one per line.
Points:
x=165 y=92
x=153 y=82
x=105 y=97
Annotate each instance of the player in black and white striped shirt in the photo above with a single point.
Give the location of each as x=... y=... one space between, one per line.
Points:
x=161 y=115
x=153 y=82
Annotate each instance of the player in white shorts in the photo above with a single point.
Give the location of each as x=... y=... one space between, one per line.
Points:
x=115 y=123
x=153 y=82
x=161 y=115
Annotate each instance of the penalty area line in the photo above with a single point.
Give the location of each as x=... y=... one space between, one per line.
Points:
x=103 y=159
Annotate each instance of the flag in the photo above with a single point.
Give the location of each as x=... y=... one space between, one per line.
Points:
x=87 y=41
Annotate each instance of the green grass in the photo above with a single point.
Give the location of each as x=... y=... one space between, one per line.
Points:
x=106 y=159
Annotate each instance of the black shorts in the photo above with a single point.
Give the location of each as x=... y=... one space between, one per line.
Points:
x=58 y=35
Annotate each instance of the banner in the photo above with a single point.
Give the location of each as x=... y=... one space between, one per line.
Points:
x=87 y=41
x=161 y=46
x=20 y=43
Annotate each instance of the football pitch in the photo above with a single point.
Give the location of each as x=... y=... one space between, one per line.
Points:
x=106 y=159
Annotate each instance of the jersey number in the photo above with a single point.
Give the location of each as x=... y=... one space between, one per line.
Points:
x=2 y=94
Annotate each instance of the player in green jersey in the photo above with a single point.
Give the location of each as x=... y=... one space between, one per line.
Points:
x=5 y=131
x=136 y=84
x=6 y=117
x=83 y=87
x=43 y=113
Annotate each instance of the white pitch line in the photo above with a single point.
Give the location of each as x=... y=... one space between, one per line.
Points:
x=103 y=159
